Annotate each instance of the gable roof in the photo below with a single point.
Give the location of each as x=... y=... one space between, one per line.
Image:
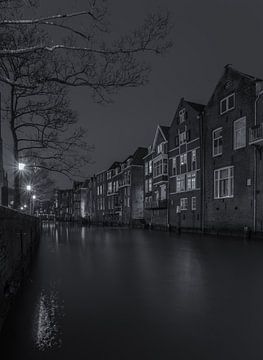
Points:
x=196 y=106
x=164 y=130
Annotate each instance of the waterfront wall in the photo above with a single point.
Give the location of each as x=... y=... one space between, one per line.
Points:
x=19 y=236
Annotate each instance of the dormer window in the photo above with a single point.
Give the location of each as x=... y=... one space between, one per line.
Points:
x=181 y=116
x=182 y=137
x=160 y=148
x=227 y=104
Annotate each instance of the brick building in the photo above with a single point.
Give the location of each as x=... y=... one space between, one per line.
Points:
x=100 y=197
x=131 y=188
x=185 y=163
x=156 y=180
x=64 y=204
x=233 y=157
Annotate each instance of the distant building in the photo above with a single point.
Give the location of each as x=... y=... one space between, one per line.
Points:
x=186 y=166
x=100 y=203
x=64 y=204
x=156 y=180
x=112 y=204
x=131 y=188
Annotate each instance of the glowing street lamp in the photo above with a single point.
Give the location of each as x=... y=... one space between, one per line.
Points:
x=21 y=166
x=29 y=187
x=34 y=197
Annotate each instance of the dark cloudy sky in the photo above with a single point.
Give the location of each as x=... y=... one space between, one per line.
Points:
x=207 y=35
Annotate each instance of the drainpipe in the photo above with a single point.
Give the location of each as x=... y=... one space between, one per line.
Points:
x=255 y=167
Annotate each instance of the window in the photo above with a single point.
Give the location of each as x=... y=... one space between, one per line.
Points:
x=146 y=185
x=110 y=187
x=173 y=166
x=183 y=159
x=183 y=203
x=182 y=138
x=194 y=203
x=240 y=133
x=150 y=166
x=217 y=142
x=227 y=104
x=146 y=167
x=194 y=159
x=108 y=175
x=181 y=116
x=224 y=182
x=160 y=148
x=191 y=181
x=160 y=167
x=163 y=190
x=150 y=184
x=180 y=183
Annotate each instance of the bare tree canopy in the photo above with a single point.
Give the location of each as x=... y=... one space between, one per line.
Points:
x=38 y=64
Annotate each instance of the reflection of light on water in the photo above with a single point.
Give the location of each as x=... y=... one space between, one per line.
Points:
x=47 y=332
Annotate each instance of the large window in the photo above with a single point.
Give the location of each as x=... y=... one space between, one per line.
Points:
x=146 y=167
x=183 y=203
x=227 y=104
x=191 y=181
x=217 y=140
x=150 y=184
x=240 y=133
x=180 y=183
x=160 y=167
x=150 y=166
x=183 y=159
x=224 y=182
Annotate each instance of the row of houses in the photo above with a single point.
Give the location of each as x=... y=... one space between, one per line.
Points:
x=202 y=173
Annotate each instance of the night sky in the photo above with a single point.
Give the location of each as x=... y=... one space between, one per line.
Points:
x=207 y=35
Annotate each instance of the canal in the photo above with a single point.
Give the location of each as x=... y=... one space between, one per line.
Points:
x=106 y=293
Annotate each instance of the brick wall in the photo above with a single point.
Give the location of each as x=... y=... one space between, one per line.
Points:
x=19 y=235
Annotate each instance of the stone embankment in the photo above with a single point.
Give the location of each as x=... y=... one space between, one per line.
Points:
x=19 y=237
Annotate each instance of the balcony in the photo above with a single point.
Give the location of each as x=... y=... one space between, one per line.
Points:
x=156 y=204
x=256 y=134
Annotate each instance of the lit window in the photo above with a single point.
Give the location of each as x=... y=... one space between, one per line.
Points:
x=183 y=203
x=240 y=133
x=191 y=181
x=224 y=182
x=150 y=166
x=180 y=183
x=217 y=142
x=183 y=159
x=146 y=168
x=194 y=159
x=227 y=104
x=194 y=203
x=181 y=116
x=173 y=166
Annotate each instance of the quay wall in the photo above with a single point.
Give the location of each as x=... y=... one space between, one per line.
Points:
x=19 y=237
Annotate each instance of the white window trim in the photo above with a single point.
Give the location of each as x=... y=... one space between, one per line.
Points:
x=227 y=101
x=215 y=155
x=227 y=196
x=192 y=203
x=234 y=132
x=185 y=204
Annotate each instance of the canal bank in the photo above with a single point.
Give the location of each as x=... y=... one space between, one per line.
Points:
x=19 y=237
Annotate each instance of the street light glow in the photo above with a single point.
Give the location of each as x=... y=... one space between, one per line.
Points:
x=29 y=187
x=34 y=197
x=21 y=166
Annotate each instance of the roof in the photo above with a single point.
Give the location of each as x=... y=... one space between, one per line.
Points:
x=139 y=155
x=165 y=130
x=250 y=77
x=114 y=165
x=196 y=106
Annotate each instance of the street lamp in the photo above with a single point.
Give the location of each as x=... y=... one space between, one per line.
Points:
x=29 y=187
x=21 y=166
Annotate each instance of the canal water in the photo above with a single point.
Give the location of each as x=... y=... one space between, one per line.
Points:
x=106 y=293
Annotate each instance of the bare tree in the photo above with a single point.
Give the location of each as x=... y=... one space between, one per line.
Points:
x=37 y=66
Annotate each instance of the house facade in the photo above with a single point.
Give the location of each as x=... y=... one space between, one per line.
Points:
x=185 y=166
x=156 y=180
x=233 y=160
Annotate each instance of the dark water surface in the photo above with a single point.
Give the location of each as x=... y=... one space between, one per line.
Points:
x=98 y=293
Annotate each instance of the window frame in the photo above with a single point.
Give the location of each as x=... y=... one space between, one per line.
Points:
x=183 y=204
x=235 y=131
x=193 y=203
x=217 y=139
x=227 y=103
x=218 y=182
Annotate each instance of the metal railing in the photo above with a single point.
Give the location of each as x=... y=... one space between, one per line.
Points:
x=256 y=134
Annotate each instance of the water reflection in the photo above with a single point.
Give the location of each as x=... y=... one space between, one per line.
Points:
x=47 y=333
